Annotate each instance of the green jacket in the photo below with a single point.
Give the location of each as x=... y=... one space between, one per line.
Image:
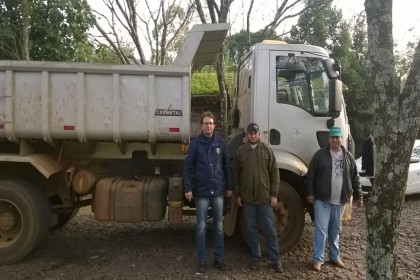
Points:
x=257 y=178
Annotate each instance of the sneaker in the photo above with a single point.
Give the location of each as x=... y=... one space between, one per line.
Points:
x=253 y=265
x=220 y=265
x=201 y=268
x=277 y=267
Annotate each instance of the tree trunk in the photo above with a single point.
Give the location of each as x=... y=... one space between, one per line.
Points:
x=395 y=128
x=25 y=29
x=223 y=87
x=218 y=14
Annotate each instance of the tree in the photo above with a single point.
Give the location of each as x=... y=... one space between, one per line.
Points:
x=218 y=12
x=60 y=31
x=360 y=97
x=347 y=42
x=397 y=119
x=103 y=54
x=351 y=50
x=155 y=27
x=44 y=30
x=317 y=26
x=403 y=61
x=286 y=10
x=239 y=44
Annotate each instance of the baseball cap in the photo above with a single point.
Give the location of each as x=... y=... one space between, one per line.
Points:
x=252 y=126
x=335 y=131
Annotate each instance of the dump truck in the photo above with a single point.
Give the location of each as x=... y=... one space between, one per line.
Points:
x=114 y=137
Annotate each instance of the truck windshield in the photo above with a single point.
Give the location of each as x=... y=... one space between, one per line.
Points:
x=309 y=90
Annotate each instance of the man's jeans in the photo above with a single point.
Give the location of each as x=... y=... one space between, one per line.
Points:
x=327 y=225
x=202 y=205
x=256 y=216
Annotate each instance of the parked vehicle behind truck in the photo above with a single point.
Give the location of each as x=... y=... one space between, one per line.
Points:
x=114 y=137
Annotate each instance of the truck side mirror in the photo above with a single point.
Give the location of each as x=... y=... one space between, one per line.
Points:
x=336 y=96
x=332 y=67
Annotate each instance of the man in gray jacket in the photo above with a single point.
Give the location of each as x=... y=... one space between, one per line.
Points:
x=256 y=188
x=332 y=178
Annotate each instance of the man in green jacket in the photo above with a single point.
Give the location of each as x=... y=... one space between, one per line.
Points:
x=256 y=188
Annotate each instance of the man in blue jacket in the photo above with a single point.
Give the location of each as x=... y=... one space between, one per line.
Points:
x=207 y=176
x=332 y=178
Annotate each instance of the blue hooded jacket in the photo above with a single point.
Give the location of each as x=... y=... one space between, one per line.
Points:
x=207 y=170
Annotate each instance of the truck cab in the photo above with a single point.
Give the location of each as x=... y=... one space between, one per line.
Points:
x=293 y=92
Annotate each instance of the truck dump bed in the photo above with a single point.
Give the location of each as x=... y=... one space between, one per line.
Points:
x=85 y=102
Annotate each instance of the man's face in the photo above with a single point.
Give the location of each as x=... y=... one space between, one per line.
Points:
x=335 y=142
x=253 y=136
x=207 y=127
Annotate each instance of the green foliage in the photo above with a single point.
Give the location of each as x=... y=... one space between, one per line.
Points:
x=10 y=29
x=317 y=27
x=239 y=44
x=57 y=30
x=348 y=43
x=103 y=54
x=204 y=83
x=403 y=61
x=356 y=76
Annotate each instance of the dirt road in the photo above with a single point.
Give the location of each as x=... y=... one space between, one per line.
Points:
x=86 y=249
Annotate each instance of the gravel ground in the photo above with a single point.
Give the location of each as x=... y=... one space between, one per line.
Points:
x=86 y=249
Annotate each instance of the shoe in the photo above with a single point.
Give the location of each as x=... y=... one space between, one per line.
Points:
x=220 y=265
x=277 y=267
x=201 y=268
x=316 y=267
x=253 y=265
x=338 y=263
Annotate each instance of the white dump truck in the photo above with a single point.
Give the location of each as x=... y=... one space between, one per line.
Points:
x=114 y=137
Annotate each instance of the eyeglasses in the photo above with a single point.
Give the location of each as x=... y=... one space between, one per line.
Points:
x=208 y=123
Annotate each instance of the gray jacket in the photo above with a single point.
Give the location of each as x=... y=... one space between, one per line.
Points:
x=319 y=176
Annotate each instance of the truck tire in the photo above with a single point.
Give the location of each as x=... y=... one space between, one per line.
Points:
x=290 y=219
x=24 y=216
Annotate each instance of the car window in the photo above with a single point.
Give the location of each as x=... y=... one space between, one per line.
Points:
x=416 y=152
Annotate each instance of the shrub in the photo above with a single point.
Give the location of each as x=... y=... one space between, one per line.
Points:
x=206 y=83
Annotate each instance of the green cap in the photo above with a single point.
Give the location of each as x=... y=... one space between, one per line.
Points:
x=335 y=131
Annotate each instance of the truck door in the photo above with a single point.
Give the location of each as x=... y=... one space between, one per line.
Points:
x=294 y=126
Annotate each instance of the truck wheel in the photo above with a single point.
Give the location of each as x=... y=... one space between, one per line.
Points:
x=290 y=219
x=24 y=219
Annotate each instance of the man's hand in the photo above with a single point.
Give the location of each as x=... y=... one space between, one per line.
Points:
x=359 y=203
x=274 y=201
x=228 y=193
x=189 y=196
x=311 y=199
x=239 y=201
